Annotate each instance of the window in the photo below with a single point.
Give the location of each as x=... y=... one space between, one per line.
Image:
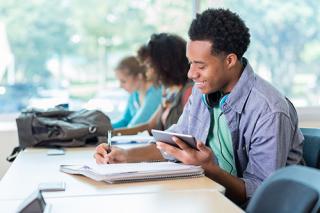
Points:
x=65 y=50
x=285 y=44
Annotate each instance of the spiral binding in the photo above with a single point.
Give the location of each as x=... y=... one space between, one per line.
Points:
x=158 y=178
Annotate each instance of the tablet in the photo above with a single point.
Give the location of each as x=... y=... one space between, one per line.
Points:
x=166 y=137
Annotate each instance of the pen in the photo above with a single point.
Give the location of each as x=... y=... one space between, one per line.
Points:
x=109 y=141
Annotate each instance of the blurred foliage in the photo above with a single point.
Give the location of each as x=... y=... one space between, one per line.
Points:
x=285 y=41
x=37 y=31
x=93 y=35
x=86 y=32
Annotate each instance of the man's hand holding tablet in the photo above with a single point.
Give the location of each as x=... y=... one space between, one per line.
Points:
x=166 y=137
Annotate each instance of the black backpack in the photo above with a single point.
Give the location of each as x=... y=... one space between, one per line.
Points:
x=58 y=127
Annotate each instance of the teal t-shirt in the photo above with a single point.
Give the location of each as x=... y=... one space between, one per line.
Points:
x=135 y=113
x=220 y=141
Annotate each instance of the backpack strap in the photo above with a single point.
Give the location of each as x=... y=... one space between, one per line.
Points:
x=16 y=150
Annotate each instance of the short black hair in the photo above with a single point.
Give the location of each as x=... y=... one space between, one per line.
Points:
x=167 y=55
x=224 y=29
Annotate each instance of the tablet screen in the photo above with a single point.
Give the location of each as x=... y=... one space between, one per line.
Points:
x=166 y=137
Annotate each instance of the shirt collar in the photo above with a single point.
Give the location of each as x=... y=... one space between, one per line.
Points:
x=240 y=93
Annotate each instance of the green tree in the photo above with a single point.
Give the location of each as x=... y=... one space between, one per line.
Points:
x=37 y=31
x=285 y=39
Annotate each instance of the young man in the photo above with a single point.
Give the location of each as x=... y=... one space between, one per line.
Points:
x=249 y=128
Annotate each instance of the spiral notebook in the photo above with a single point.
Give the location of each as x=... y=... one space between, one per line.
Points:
x=131 y=172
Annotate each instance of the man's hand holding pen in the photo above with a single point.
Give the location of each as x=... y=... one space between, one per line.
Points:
x=105 y=153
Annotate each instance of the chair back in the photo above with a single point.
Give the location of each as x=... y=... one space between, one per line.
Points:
x=291 y=189
x=311 y=147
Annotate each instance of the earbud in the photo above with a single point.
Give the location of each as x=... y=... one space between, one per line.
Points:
x=223 y=99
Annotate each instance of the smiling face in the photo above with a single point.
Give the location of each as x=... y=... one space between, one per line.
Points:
x=210 y=73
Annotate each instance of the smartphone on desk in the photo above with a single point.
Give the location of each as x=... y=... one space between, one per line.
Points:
x=52 y=186
x=55 y=151
x=166 y=137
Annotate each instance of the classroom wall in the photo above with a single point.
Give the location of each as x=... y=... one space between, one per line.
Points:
x=8 y=140
x=309 y=117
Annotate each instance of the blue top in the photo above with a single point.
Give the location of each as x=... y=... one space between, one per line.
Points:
x=136 y=113
x=263 y=126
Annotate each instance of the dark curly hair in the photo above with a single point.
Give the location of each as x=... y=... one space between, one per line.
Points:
x=224 y=29
x=167 y=55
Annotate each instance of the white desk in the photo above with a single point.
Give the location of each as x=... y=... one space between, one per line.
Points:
x=82 y=194
x=205 y=201
x=34 y=166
